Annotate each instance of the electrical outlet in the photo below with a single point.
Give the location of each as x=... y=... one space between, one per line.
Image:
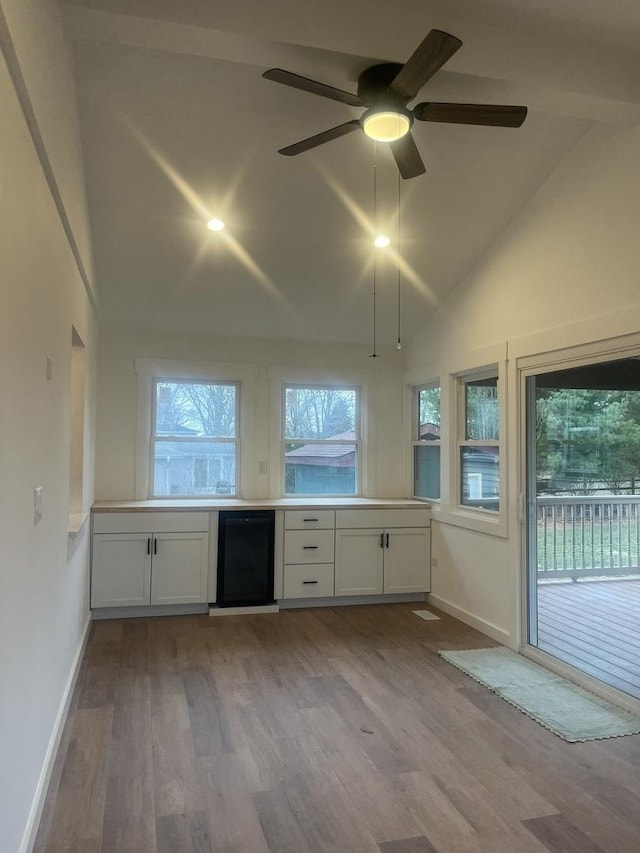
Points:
x=434 y=562
x=37 y=504
x=49 y=369
x=263 y=467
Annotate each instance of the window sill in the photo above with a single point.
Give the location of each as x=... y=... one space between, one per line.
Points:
x=471 y=521
x=76 y=523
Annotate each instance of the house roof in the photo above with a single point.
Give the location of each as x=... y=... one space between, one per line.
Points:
x=325 y=453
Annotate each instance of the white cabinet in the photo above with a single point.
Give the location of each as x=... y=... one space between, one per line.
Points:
x=359 y=567
x=382 y=560
x=120 y=570
x=136 y=560
x=308 y=553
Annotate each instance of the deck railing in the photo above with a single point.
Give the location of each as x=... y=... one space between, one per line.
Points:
x=588 y=536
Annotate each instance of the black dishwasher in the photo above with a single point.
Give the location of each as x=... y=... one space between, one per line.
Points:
x=245 y=557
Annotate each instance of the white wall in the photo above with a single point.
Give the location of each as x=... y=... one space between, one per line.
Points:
x=565 y=272
x=117 y=389
x=43 y=573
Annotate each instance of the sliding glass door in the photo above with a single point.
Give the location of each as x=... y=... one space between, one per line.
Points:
x=583 y=519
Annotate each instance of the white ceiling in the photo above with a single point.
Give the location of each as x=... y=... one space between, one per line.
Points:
x=178 y=125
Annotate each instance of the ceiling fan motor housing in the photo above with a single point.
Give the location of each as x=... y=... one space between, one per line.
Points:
x=374 y=82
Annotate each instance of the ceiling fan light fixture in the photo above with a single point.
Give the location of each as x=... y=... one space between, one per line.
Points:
x=386 y=125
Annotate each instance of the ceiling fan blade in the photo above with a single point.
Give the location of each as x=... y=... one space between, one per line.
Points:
x=320 y=138
x=487 y=114
x=407 y=157
x=436 y=48
x=312 y=86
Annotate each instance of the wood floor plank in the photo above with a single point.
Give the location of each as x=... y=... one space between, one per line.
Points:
x=560 y=836
x=184 y=833
x=408 y=845
x=594 y=626
x=331 y=730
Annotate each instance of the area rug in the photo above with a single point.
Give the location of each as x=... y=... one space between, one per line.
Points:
x=560 y=706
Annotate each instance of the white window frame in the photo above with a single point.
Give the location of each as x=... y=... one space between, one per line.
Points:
x=148 y=369
x=418 y=442
x=357 y=441
x=154 y=438
x=462 y=381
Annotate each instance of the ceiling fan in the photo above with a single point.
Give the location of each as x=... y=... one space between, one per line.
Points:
x=385 y=90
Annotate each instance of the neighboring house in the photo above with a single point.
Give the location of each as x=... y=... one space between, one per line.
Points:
x=322 y=468
x=429 y=432
x=190 y=467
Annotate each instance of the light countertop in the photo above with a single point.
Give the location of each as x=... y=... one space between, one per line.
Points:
x=212 y=504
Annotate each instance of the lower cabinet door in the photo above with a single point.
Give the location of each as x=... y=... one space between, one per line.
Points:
x=359 y=562
x=120 y=569
x=406 y=559
x=179 y=568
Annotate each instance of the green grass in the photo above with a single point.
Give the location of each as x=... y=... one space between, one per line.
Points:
x=601 y=545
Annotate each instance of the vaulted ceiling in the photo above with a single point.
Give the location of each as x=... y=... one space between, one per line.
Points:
x=178 y=126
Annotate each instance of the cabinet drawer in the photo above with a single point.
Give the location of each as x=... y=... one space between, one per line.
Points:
x=308 y=546
x=312 y=519
x=368 y=518
x=153 y=522
x=312 y=581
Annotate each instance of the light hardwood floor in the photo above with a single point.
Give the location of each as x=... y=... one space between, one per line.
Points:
x=319 y=731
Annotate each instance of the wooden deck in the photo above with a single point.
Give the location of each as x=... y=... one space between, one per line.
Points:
x=594 y=626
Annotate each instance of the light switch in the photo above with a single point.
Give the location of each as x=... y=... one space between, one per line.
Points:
x=37 y=504
x=263 y=466
x=49 y=369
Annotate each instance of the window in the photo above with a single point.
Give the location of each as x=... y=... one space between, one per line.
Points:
x=426 y=442
x=479 y=443
x=194 y=444
x=321 y=440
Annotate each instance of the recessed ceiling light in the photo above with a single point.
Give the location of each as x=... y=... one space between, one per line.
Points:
x=381 y=241
x=215 y=225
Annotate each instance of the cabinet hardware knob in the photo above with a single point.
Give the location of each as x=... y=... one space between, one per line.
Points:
x=309 y=547
x=305 y=582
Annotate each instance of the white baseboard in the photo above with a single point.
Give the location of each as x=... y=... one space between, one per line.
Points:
x=145 y=610
x=346 y=600
x=37 y=806
x=244 y=611
x=488 y=628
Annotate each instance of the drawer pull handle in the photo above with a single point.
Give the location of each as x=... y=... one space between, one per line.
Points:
x=309 y=547
x=305 y=582
x=311 y=519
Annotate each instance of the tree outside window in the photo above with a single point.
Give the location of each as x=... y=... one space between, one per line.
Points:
x=479 y=443
x=194 y=438
x=426 y=442
x=321 y=440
